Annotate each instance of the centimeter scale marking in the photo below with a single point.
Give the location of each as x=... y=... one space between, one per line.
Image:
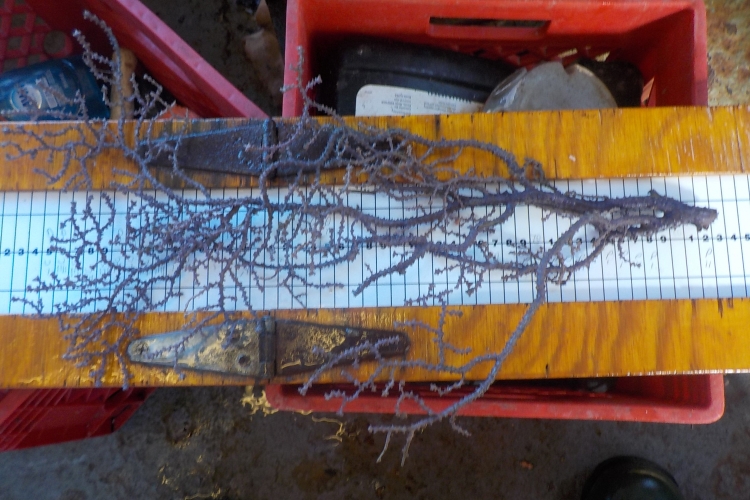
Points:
x=674 y=264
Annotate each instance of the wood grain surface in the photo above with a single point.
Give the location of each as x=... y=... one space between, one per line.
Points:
x=563 y=340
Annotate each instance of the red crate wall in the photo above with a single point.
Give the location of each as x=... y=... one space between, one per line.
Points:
x=34 y=417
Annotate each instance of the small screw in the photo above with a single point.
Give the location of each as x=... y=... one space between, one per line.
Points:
x=141 y=348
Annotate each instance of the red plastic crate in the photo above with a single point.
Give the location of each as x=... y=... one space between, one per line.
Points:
x=171 y=61
x=666 y=39
x=34 y=417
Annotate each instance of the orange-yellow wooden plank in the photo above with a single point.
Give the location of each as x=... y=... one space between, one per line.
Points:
x=564 y=340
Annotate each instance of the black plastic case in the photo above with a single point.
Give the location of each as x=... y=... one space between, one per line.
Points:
x=403 y=65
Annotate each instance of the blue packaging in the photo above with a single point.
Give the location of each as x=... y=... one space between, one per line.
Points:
x=46 y=91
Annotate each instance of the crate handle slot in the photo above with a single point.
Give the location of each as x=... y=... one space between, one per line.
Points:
x=494 y=23
x=487 y=28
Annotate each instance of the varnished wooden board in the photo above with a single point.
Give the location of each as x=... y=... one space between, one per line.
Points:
x=564 y=340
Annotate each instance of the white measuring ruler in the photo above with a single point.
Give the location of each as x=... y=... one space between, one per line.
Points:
x=674 y=264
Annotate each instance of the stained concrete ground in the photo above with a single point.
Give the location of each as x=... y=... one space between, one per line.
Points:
x=202 y=443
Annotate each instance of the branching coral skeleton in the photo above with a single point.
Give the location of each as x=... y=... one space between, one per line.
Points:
x=292 y=236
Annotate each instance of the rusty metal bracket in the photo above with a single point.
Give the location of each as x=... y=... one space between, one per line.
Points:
x=264 y=348
x=292 y=147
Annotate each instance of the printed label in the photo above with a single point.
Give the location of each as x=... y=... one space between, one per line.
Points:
x=384 y=100
x=39 y=95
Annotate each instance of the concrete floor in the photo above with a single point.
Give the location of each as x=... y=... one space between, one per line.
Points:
x=202 y=443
